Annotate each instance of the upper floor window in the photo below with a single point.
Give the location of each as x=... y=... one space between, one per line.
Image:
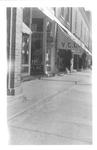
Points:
x=76 y=22
x=62 y=12
x=81 y=29
x=68 y=15
x=85 y=35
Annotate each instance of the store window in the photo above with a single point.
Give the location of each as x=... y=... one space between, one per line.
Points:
x=37 y=46
x=50 y=40
x=34 y=27
x=49 y=32
x=25 y=53
x=25 y=48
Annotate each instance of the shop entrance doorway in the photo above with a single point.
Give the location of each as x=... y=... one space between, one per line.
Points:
x=76 y=61
x=37 y=47
x=64 y=59
x=61 y=60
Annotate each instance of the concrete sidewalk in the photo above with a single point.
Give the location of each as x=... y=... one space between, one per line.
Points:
x=34 y=91
x=58 y=110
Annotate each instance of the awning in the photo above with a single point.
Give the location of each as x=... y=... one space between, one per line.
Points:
x=26 y=29
x=47 y=12
x=65 y=42
x=52 y=17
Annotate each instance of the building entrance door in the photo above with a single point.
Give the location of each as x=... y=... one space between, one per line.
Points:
x=76 y=61
x=37 y=47
x=61 y=60
x=64 y=59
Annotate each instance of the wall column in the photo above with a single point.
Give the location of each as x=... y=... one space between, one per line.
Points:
x=44 y=44
x=18 y=48
x=11 y=34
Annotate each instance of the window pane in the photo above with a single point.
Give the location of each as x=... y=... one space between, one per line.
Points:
x=67 y=16
x=25 y=69
x=62 y=11
x=25 y=49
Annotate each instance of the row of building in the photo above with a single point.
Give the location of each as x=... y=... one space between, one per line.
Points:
x=44 y=41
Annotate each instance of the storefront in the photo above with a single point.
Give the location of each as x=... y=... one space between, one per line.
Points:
x=39 y=56
x=68 y=47
x=38 y=43
x=68 y=51
x=64 y=50
x=35 y=46
x=33 y=43
x=49 y=40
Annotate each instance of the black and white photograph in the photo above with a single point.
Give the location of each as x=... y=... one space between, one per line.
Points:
x=50 y=84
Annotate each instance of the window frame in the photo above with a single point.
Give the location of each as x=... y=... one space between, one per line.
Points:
x=62 y=13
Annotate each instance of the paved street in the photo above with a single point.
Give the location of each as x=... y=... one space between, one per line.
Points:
x=54 y=110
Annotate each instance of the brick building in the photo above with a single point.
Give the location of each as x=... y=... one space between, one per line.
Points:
x=42 y=41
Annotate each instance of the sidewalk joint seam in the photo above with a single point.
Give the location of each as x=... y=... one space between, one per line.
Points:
x=46 y=98
x=53 y=134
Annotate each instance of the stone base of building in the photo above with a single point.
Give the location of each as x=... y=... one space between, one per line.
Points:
x=10 y=92
x=14 y=92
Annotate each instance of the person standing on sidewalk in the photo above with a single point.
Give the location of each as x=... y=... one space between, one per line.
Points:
x=71 y=64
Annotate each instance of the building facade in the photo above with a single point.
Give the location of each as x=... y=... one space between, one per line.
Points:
x=44 y=41
x=76 y=21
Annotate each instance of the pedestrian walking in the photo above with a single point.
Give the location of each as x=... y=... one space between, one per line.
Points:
x=71 y=64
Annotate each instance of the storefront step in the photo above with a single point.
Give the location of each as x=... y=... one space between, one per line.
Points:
x=28 y=78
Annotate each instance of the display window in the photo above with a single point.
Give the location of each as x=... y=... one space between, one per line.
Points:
x=50 y=40
x=25 y=49
x=37 y=46
x=25 y=53
x=26 y=40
